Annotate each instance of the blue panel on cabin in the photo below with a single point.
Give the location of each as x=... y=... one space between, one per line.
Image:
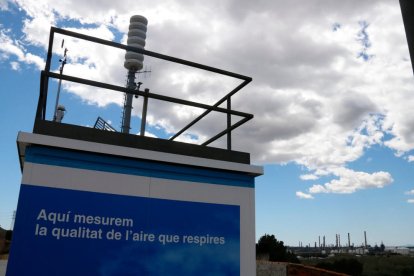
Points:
x=67 y=232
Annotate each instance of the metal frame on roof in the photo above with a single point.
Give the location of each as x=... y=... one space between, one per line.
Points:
x=46 y=74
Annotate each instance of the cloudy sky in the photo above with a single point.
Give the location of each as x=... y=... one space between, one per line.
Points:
x=331 y=95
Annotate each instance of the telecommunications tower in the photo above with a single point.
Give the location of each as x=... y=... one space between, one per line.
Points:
x=134 y=63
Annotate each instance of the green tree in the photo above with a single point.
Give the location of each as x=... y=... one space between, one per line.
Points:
x=269 y=245
x=382 y=247
x=9 y=235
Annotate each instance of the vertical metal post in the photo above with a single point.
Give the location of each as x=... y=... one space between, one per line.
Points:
x=45 y=78
x=45 y=93
x=126 y=119
x=49 y=51
x=39 y=110
x=228 y=123
x=144 y=112
x=57 y=97
x=407 y=11
x=62 y=65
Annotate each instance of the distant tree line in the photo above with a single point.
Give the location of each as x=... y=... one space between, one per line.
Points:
x=269 y=246
x=5 y=240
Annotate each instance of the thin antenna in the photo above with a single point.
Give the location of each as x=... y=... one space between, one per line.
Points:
x=60 y=109
x=144 y=73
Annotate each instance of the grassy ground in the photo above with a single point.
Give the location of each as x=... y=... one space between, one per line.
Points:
x=388 y=265
x=391 y=265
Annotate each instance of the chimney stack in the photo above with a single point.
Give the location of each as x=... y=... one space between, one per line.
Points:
x=365 y=236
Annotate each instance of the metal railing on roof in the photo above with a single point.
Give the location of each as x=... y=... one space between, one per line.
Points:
x=46 y=74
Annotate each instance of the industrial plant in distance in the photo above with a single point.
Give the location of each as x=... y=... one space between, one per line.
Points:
x=323 y=248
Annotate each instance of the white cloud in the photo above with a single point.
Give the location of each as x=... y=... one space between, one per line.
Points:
x=14 y=49
x=315 y=102
x=15 y=66
x=149 y=134
x=410 y=192
x=317 y=189
x=188 y=138
x=411 y=201
x=33 y=59
x=308 y=177
x=410 y=158
x=9 y=47
x=350 y=181
x=4 y=5
x=303 y=195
